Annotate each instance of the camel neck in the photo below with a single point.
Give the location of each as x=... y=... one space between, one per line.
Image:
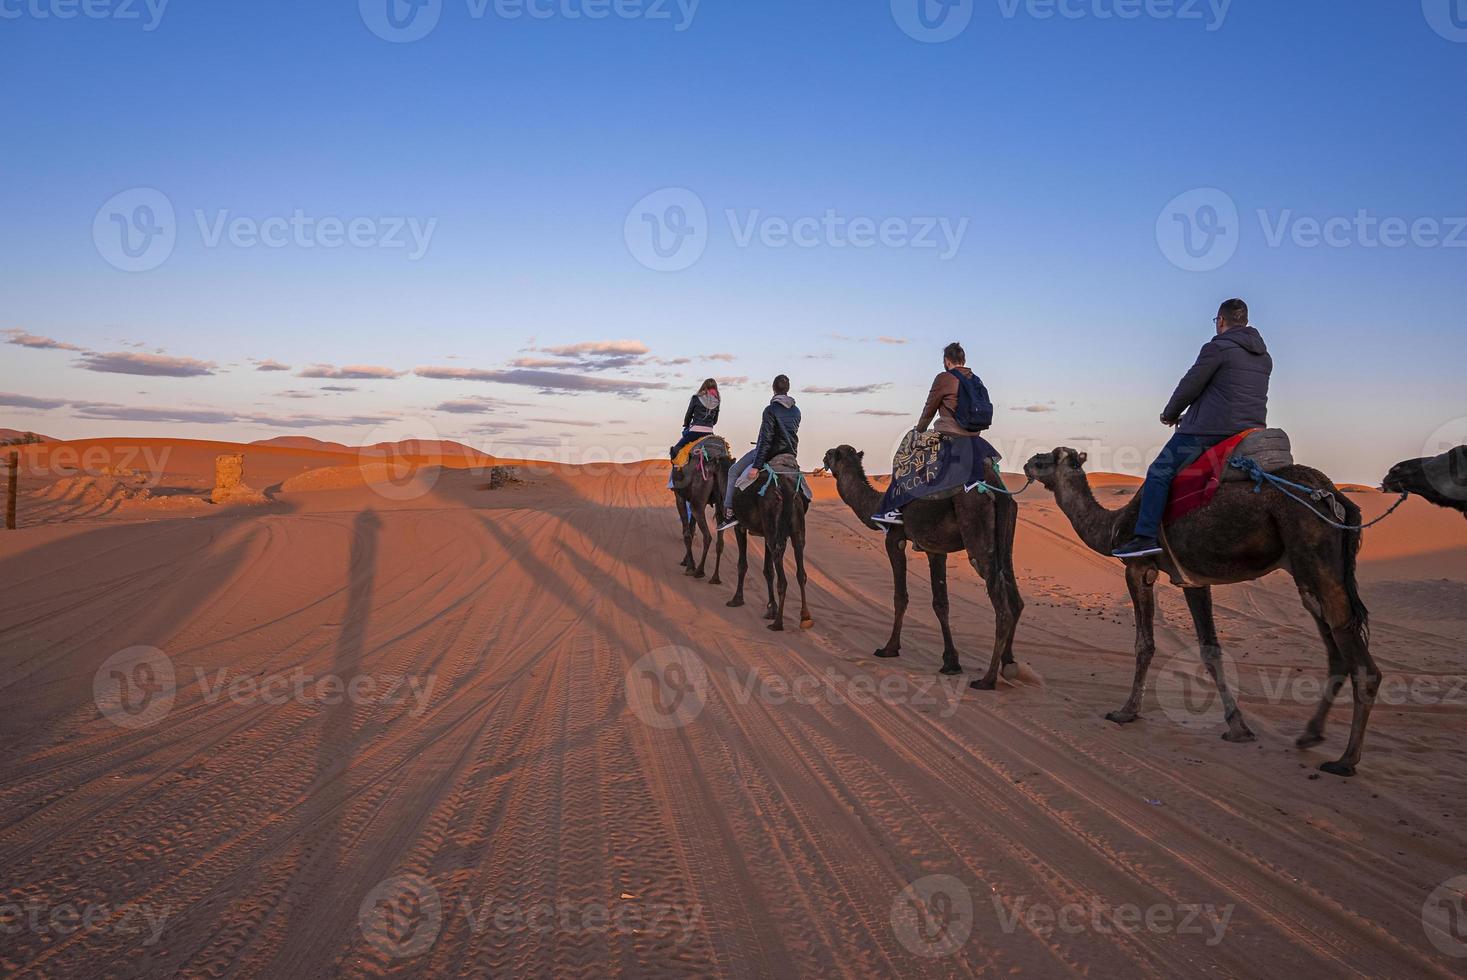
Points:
x=1094 y=523
x=858 y=493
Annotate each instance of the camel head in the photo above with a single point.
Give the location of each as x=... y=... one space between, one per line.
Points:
x=1046 y=468
x=844 y=457
x=1404 y=477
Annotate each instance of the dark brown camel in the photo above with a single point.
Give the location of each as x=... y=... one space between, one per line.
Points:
x=695 y=487
x=779 y=518
x=980 y=524
x=1239 y=537
x=1441 y=480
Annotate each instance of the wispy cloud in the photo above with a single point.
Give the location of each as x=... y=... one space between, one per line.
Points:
x=868 y=340
x=580 y=424
x=314 y=421
x=546 y=381
x=268 y=365
x=847 y=389
x=597 y=347
x=351 y=372
x=27 y=401
x=1033 y=409
x=110 y=412
x=35 y=342
x=151 y=365
x=880 y=412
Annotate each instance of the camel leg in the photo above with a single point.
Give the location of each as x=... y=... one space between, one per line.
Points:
x=1006 y=523
x=986 y=555
x=687 y=528
x=741 y=537
x=772 y=609
x=1334 y=609
x=1199 y=601
x=700 y=517
x=717 y=560
x=798 y=538
x=1314 y=731
x=775 y=559
x=896 y=553
x=938 y=566
x=1141 y=581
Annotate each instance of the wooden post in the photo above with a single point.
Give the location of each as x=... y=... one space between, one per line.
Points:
x=14 y=490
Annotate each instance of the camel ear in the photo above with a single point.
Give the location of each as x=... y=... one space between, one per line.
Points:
x=1083 y=457
x=861 y=454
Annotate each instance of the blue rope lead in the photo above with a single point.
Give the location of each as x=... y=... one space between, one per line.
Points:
x=774 y=478
x=1255 y=473
x=983 y=486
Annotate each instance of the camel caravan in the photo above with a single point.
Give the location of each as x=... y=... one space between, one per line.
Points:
x=1224 y=503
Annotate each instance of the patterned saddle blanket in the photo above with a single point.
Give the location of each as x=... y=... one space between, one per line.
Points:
x=712 y=448
x=929 y=464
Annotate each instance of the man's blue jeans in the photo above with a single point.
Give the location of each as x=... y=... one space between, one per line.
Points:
x=1180 y=452
x=739 y=469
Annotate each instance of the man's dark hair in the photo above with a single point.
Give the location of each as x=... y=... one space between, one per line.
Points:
x=781 y=385
x=1234 y=313
x=954 y=352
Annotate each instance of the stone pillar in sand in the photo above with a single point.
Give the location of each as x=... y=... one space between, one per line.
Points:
x=229 y=485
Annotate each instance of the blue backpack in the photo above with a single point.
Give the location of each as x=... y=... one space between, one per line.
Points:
x=975 y=408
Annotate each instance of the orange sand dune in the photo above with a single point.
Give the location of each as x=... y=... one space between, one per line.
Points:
x=522 y=784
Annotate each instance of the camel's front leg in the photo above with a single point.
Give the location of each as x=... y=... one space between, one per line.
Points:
x=717 y=561
x=937 y=565
x=896 y=553
x=772 y=609
x=798 y=539
x=775 y=559
x=700 y=517
x=1141 y=581
x=741 y=537
x=1199 y=601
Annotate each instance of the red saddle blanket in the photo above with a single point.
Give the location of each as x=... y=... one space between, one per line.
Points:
x=1196 y=485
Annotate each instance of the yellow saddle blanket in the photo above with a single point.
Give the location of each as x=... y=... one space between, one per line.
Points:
x=716 y=446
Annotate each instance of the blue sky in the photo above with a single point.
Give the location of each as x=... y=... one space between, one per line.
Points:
x=520 y=148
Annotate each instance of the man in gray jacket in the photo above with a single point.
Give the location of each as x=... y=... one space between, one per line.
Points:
x=1225 y=393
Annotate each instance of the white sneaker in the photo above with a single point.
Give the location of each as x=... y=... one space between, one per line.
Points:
x=732 y=522
x=892 y=517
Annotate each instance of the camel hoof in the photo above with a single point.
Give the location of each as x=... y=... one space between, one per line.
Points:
x=715 y=580
x=888 y=654
x=768 y=615
x=699 y=574
x=806 y=624
x=734 y=603
x=1121 y=717
x=984 y=684
x=1337 y=769
x=950 y=669
x=776 y=627
x=1308 y=740
x=1243 y=736
x=1011 y=672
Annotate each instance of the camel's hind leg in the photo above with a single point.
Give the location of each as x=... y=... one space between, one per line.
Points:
x=774 y=566
x=937 y=564
x=686 y=523
x=896 y=553
x=741 y=537
x=1338 y=674
x=797 y=537
x=992 y=560
x=717 y=561
x=1199 y=601
x=1330 y=602
x=700 y=519
x=1141 y=580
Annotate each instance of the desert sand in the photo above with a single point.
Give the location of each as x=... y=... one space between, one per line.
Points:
x=527 y=781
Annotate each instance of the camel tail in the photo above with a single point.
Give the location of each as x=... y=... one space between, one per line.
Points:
x=1359 y=615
